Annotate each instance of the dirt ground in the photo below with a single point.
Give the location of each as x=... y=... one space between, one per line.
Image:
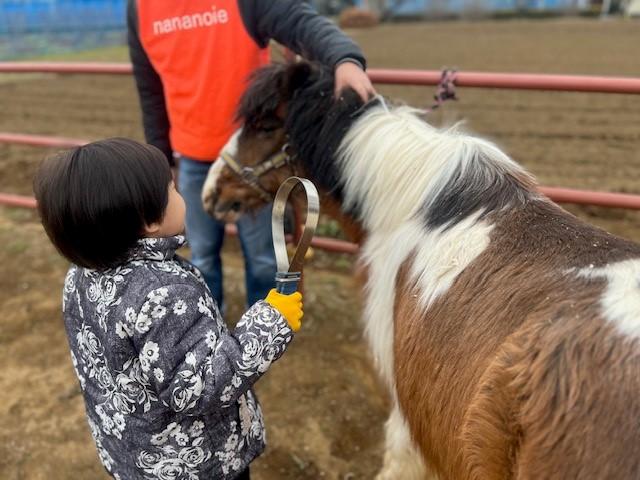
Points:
x=324 y=408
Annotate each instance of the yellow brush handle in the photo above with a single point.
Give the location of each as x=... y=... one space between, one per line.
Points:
x=290 y=306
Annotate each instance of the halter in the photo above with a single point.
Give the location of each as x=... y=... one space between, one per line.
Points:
x=251 y=175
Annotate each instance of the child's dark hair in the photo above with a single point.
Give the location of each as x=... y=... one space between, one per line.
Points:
x=94 y=201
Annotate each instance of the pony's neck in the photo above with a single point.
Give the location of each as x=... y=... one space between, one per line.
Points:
x=329 y=206
x=351 y=227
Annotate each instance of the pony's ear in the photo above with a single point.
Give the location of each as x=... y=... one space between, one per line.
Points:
x=264 y=95
x=295 y=76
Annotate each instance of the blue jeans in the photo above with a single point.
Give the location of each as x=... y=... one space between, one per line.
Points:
x=205 y=235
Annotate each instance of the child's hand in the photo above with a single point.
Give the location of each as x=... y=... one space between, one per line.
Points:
x=290 y=306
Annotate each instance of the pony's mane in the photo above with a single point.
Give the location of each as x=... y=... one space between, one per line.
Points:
x=395 y=164
x=317 y=122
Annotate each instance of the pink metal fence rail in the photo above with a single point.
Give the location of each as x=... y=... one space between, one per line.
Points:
x=516 y=81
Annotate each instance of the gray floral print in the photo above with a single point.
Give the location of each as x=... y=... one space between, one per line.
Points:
x=167 y=387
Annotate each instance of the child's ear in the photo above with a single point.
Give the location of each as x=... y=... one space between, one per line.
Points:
x=151 y=230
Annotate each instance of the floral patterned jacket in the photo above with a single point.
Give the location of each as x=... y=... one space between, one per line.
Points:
x=167 y=387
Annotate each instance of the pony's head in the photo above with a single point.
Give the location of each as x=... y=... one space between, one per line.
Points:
x=249 y=170
x=233 y=187
x=284 y=110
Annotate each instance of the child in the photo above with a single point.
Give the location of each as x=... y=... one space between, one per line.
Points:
x=167 y=387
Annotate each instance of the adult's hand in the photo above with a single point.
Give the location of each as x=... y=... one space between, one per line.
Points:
x=348 y=74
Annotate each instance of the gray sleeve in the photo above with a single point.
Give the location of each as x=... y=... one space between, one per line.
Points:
x=297 y=26
x=150 y=90
x=192 y=361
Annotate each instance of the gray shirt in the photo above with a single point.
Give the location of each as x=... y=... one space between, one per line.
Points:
x=167 y=387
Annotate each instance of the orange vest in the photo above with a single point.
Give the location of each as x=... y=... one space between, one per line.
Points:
x=204 y=55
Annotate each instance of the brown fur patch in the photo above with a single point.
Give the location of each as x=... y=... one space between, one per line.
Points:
x=514 y=373
x=353 y=230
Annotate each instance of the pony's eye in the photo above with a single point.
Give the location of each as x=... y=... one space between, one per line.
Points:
x=268 y=125
x=268 y=131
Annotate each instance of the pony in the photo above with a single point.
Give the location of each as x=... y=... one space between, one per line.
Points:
x=506 y=330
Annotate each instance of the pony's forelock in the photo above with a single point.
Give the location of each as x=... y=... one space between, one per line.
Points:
x=263 y=95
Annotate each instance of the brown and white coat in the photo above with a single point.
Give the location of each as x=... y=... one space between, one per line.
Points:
x=506 y=329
